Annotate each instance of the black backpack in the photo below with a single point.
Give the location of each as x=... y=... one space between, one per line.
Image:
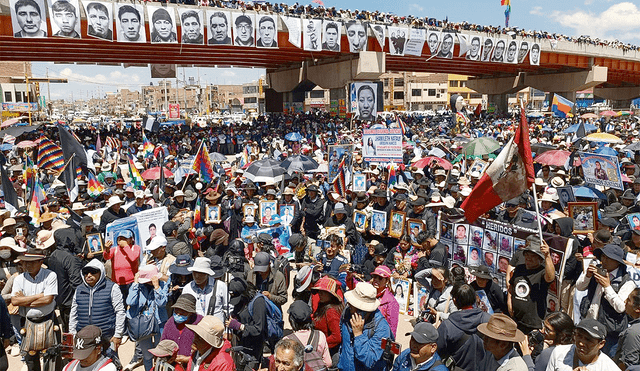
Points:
x=281 y=263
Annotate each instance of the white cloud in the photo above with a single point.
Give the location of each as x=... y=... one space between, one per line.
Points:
x=416 y=7
x=114 y=78
x=228 y=73
x=619 y=21
x=536 y=10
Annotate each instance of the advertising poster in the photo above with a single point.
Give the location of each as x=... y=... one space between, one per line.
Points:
x=174 y=110
x=382 y=145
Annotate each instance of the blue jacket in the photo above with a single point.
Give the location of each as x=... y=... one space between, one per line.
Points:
x=141 y=294
x=403 y=363
x=363 y=352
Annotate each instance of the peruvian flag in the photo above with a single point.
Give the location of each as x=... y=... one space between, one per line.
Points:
x=508 y=176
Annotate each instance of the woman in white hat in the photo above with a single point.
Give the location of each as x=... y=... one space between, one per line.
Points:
x=363 y=327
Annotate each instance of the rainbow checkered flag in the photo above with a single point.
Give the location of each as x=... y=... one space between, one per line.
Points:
x=196 y=222
x=29 y=175
x=147 y=147
x=136 y=179
x=50 y=155
x=37 y=199
x=202 y=164
x=339 y=182
x=94 y=187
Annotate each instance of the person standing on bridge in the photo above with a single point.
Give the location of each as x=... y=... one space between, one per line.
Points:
x=29 y=19
x=219 y=29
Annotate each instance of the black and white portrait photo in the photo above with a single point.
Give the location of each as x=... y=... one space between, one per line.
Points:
x=331 y=35
x=163 y=71
x=446 y=47
x=163 y=24
x=192 y=26
x=534 y=55
x=499 y=51
x=99 y=19
x=219 y=27
x=267 y=31
x=365 y=96
x=487 y=49
x=357 y=36
x=475 y=46
x=379 y=32
x=522 y=51
x=433 y=41
x=130 y=23
x=65 y=18
x=28 y=18
x=512 y=52
x=398 y=37
x=311 y=34
x=243 y=31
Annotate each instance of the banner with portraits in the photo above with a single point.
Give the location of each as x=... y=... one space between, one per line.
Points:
x=219 y=27
x=494 y=244
x=416 y=42
x=28 y=18
x=364 y=100
x=192 y=25
x=162 y=21
x=130 y=23
x=379 y=30
x=337 y=153
x=267 y=31
x=601 y=170
x=475 y=48
x=244 y=29
x=446 y=45
x=294 y=27
x=356 y=35
x=331 y=31
x=382 y=145
x=99 y=19
x=398 y=37
x=311 y=35
x=65 y=18
x=433 y=41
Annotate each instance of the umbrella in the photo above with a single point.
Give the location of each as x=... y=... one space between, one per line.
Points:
x=556 y=157
x=633 y=147
x=26 y=144
x=6 y=147
x=12 y=121
x=16 y=131
x=481 y=146
x=421 y=163
x=462 y=139
x=606 y=151
x=435 y=151
x=535 y=114
x=541 y=148
x=588 y=192
x=589 y=116
x=608 y=113
x=294 y=137
x=322 y=168
x=574 y=128
x=623 y=113
x=265 y=170
x=154 y=173
x=603 y=137
x=217 y=157
x=299 y=163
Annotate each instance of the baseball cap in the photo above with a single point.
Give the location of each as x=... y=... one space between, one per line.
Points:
x=262 y=262
x=86 y=341
x=424 y=333
x=594 y=328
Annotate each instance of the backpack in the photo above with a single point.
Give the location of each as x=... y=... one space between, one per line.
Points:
x=281 y=263
x=312 y=359
x=275 y=323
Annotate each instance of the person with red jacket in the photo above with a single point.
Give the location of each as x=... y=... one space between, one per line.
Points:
x=125 y=257
x=327 y=313
x=210 y=354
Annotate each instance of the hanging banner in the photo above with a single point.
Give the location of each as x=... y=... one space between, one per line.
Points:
x=601 y=170
x=382 y=145
x=416 y=41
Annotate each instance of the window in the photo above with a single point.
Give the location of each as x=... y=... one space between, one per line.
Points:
x=251 y=100
x=475 y=96
x=386 y=82
x=432 y=92
x=18 y=96
x=416 y=92
x=7 y=96
x=398 y=95
x=315 y=94
x=398 y=82
x=453 y=83
x=463 y=84
x=386 y=95
x=249 y=89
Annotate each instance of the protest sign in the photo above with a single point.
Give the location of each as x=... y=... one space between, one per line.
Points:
x=336 y=154
x=144 y=225
x=601 y=170
x=119 y=225
x=382 y=145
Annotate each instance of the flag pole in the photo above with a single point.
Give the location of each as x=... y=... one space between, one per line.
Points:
x=538 y=216
x=194 y=159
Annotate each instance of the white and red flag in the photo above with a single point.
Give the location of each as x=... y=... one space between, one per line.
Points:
x=508 y=176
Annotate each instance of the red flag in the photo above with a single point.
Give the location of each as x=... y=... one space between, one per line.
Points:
x=478 y=109
x=508 y=176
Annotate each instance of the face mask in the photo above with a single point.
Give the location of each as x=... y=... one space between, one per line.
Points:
x=5 y=254
x=180 y=319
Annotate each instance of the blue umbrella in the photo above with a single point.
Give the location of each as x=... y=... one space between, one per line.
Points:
x=294 y=137
x=588 y=192
x=573 y=128
x=606 y=151
x=535 y=114
x=6 y=147
x=547 y=128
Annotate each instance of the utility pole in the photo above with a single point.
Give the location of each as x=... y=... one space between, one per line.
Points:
x=48 y=88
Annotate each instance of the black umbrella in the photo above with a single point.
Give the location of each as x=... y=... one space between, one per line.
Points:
x=217 y=157
x=265 y=170
x=299 y=163
x=16 y=131
x=540 y=148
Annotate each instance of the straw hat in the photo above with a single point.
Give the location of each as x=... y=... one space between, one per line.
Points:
x=45 y=240
x=113 y=200
x=210 y=329
x=363 y=297
x=501 y=327
x=147 y=273
x=329 y=285
x=11 y=243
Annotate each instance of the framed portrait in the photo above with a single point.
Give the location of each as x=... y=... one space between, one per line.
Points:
x=29 y=20
x=267 y=210
x=99 y=19
x=462 y=234
x=331 y=35
x=557 y=258
x=415 y=226
x=565 y=195
x=213 y=214
x=287 y=213
x=249 y=209
x=338 y=153
x=359 y=183
x=489 y=259
x=483 y=303
x=218 y=27
x=130 y=23
x=421 y=296
x=396 y=224
x=476 y=236
x=402 y=292
x=634 y=220
x=378 y=222
x=474 y=258
x=490 y=241
x=95 y=243
x=162 y=22
x=360 y=220
x=459 y=253
x=478 y=165
x=503 y=264
x=65 y=18
x=192 y=25
x=505 y=244
x=243 y=29
x=445 y=231
x=584 y=215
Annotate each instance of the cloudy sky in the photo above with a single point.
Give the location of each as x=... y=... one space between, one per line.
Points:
x=606 y=19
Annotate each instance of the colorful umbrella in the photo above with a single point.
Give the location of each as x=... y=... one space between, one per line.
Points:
x=426 y=161
x=606 y=151
x=589 y=116
x=26 y=144
x=294 y=137
x=12 y=121
x=623 y=113
x=556 y=157
x=574 y=128
x=603 y=137
x=481 y=146
x=608 y=113
x=588 y=192
x=154 y=173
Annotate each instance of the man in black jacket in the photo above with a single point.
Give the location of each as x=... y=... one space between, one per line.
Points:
x=311 y=212
x=484 y=281
x=338 y=219
x=113 y=212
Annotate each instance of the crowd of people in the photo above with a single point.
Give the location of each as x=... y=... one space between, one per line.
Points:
x=210 y=293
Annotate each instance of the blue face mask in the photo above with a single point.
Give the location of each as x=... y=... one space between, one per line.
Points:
x=180 y=319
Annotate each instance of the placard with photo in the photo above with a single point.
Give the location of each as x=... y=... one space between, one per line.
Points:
x=378 y=222
x=462 y=234
x=94 y=241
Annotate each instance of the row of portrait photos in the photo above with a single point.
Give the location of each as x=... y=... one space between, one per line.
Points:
x=252 y=29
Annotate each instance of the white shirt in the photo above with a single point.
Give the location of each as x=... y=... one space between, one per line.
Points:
x=617 y=300
x=45 y=282
x=204 y=296
x=562 y=360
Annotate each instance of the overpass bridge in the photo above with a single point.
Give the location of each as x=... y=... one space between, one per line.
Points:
x=564 y=67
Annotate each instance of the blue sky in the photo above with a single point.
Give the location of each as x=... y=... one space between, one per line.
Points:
x=606 y=19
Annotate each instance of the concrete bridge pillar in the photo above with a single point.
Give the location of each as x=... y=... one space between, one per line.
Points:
x=500 y=101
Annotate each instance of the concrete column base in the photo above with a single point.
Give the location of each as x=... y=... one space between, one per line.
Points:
x=501 y=102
